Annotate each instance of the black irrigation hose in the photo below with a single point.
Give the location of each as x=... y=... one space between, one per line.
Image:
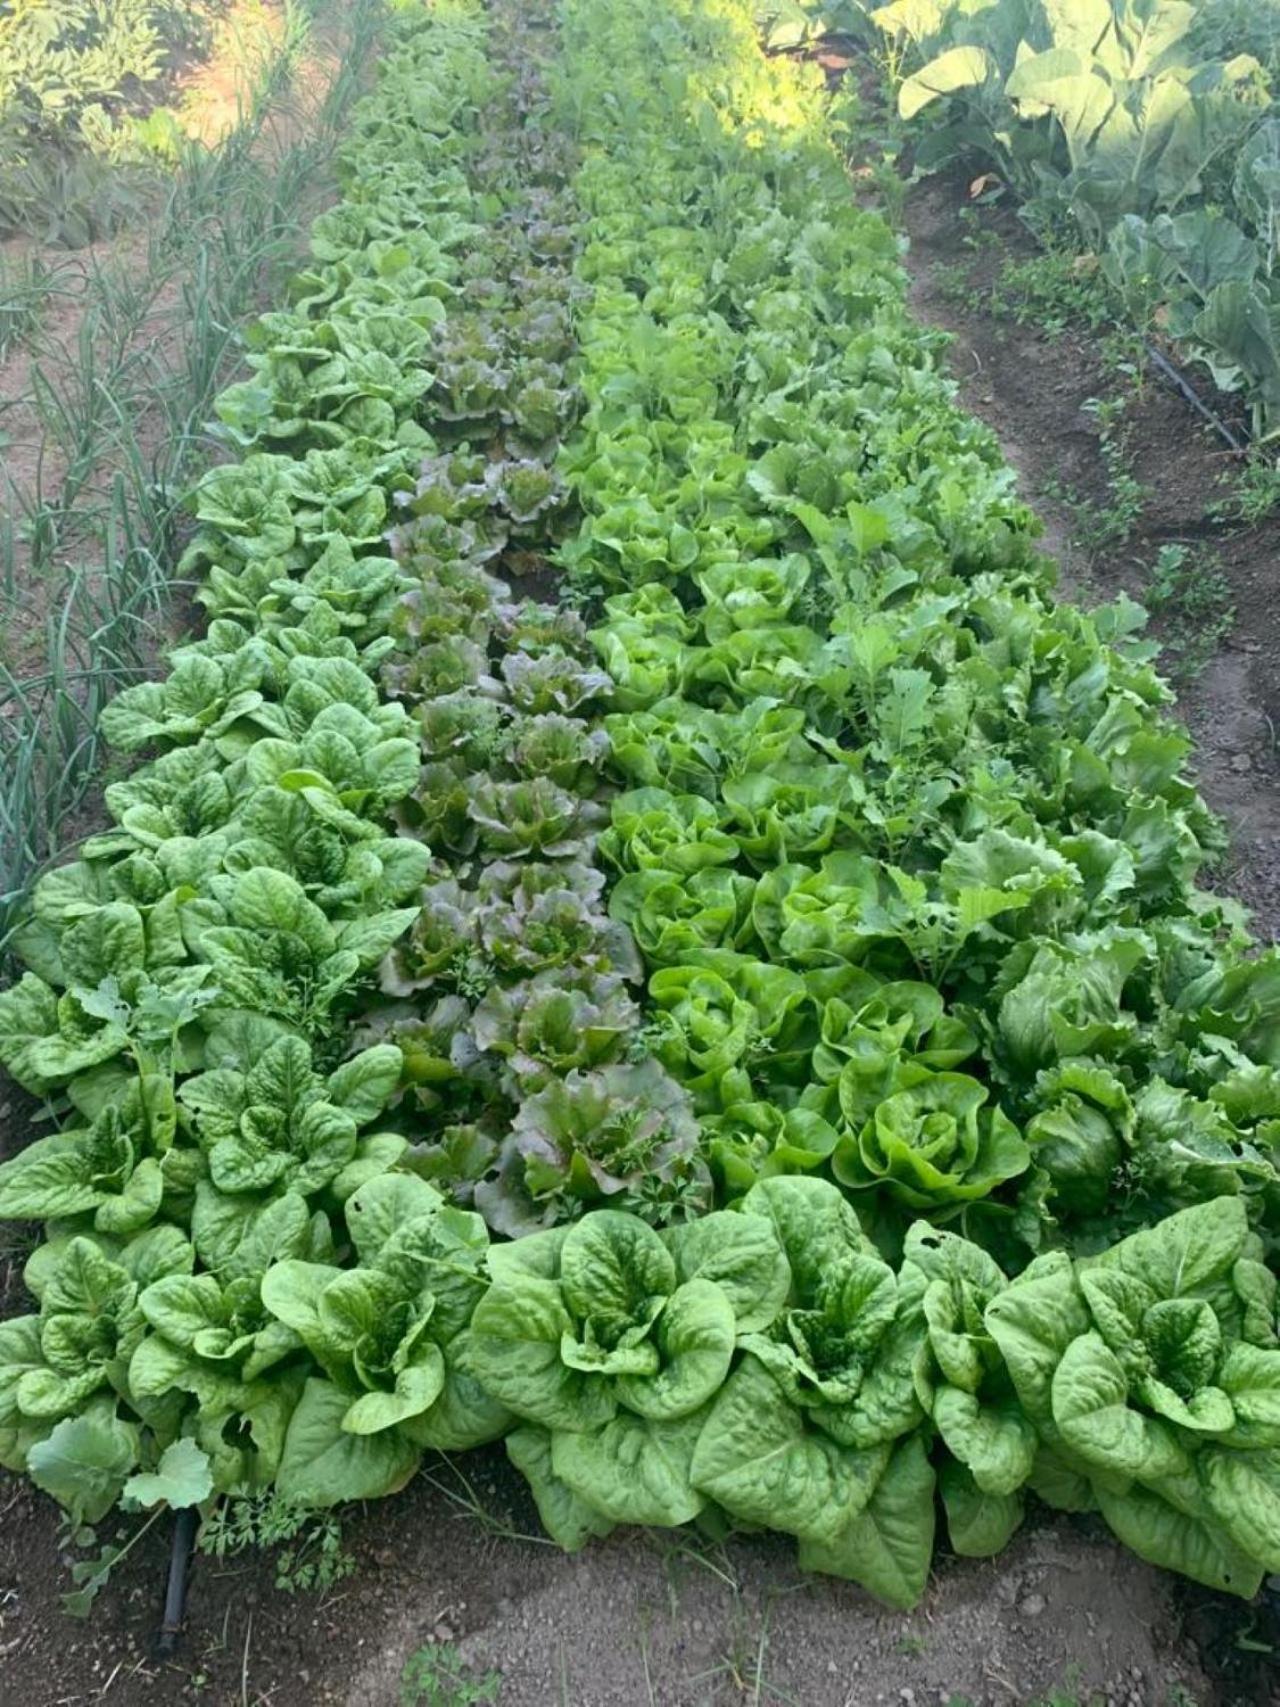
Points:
x=1189 y=393
x=175 y=1595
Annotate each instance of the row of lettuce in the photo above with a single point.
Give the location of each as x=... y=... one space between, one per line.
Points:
x=789 y=942
x=910 y=855
x=909 y=849
x=199 y=1009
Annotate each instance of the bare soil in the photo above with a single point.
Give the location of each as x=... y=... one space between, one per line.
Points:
x=638 y=1619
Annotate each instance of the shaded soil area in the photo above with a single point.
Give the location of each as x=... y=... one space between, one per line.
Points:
x=1034 y=389
x=639 y=1619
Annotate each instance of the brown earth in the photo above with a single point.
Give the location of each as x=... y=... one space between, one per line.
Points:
x=640 y=1619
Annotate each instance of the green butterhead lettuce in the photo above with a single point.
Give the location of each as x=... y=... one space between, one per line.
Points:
x=934 y=1143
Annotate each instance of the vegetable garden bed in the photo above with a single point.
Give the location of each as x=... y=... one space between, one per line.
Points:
x=1038 y=381
x=746 y=1034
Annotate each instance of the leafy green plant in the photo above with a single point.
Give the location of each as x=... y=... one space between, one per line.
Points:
x=208 y=1131
x=438 y=1676
x=1142 y=132
x=1191 y=598
x=1254 y=491
x=608 y=1340
x=1102 y=524
x=309 y=1555
x=1146 y=1374
x=148 y=358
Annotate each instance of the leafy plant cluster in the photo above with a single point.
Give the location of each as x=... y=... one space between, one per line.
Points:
x=354 y=899
x=1140 y=131
x=786 y=25
x=188 y=1008
x=908 y=849
x=75 y=76
x=940 y=1155
x=60 y=57
x=511 y=994
x=769 y=1368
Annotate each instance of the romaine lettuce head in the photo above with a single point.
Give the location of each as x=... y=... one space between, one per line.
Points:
x=1151 y=1373
x=609 y=1315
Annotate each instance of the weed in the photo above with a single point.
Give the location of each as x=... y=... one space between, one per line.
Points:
x=978 y=235
x=953 y=281
x=872 y=143
x=644 y=1660
x=438 y=1676
x=1094 y=526
x=682 y=1553
x=1068 y=1693
x=1191 y=597
x=1053 y=291
x=91 y=1575
x=26 y=288
x=311 y=1558
x=743 y=1664
x=881 y=181
x=1099 y=526
x=464 y=1496
x=1114 y=433
x=1254 y=492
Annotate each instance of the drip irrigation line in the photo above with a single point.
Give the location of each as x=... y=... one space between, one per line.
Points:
x=175 y=1594
x=1188 y=392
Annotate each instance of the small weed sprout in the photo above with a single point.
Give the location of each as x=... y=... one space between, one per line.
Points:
x=1190 y=596
x=310 y=1556
x=438 y=1676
